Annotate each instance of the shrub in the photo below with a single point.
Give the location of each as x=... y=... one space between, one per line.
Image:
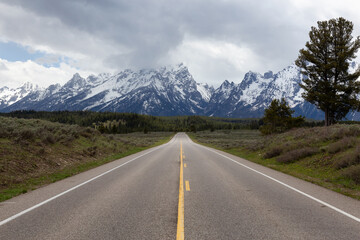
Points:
x=339 y=133
x=297 y=154
x=10 y=129
x=91 y=151
x=61 y=137
x=354 y=131
x=256 y=146
x=75 y=134
x=353 y=173
x=4 y=133
x=273 y=152
x=26 y=134
x=341 y=145
x=41 y=151
x=67 y=140
x=348 y=159
x=87 y=132
x=48 y=139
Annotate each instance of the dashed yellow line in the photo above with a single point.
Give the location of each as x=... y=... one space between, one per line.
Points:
x=185 y=165
x=180 y=223
x=187 y=186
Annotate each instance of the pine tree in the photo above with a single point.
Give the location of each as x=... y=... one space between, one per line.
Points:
x=277 y=118
x=325 y=64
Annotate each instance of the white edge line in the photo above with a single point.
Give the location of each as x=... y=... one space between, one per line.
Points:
x=286 y=185
x=75 y=187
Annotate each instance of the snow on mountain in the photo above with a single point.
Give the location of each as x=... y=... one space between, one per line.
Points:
x=251 y=87
x=255 y=92
x=224 y=91
x=10 y=96
x=205 y=90
x=166 y=91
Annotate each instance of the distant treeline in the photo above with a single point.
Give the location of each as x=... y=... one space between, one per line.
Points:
x=112 y=122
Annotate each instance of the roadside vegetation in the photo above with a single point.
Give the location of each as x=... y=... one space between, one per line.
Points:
x=327 y=156
x=36 y=152
x=278 y=118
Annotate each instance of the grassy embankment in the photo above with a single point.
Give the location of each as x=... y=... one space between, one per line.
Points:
x=327 y=156
x=34 y=153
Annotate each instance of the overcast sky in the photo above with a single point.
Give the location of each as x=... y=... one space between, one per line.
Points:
x=47 y=41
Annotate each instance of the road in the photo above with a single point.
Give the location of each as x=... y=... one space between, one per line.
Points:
x=138 y=197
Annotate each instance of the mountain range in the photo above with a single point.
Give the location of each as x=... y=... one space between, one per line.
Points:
x=167 y=91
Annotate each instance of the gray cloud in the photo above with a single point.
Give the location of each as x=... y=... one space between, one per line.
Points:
x=116 y=34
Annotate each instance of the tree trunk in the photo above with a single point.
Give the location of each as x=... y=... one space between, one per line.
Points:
x=327 y=123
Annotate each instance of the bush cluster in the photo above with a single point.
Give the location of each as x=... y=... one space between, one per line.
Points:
x=341 y=153
x=273 y=152
x=27 y=130
x=297 y=154
x=341 y=145
x=353 y=173
x=347 y=159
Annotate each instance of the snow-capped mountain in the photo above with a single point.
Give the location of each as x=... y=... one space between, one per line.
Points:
x=9 y=96
x=166 y=91
x=249 y=98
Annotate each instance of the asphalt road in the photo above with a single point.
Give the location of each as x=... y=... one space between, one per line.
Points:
x=137 y=197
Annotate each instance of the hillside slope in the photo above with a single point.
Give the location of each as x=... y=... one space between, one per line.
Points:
x=37 y=152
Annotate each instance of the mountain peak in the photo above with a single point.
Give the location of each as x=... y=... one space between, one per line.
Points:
x=76 y=76
x=4 y=88
x=268 y=74
x=28 y=86
x=249 y=78
x=181 y=66
x=227 y=84
x=76 y=82
x=173 y=68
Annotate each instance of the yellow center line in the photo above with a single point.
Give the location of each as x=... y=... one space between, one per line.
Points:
x=187 y=186
x=180 y=223
x=184 y=164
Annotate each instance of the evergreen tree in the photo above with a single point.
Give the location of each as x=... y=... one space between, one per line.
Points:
x=325 y=63
x=277 y=118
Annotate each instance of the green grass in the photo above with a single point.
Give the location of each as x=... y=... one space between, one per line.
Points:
x=318 y=168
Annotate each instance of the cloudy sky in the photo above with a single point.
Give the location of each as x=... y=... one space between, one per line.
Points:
x=47 y=41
